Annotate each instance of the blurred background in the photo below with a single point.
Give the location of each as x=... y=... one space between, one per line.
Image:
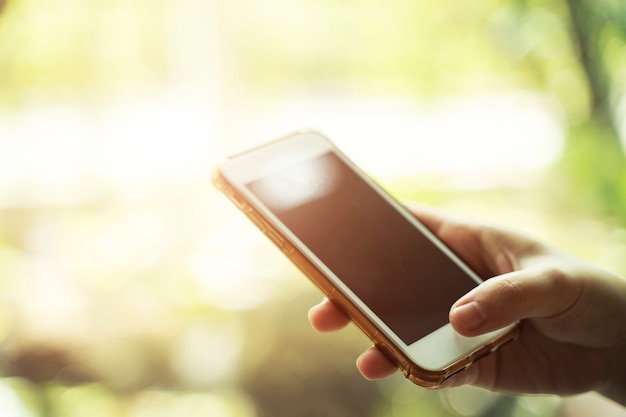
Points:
x=129 y=287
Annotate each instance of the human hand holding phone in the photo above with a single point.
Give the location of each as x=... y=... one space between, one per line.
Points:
x=572 y=336
x=396 y=274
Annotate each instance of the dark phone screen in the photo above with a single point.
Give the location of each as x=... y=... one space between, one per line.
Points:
x=384 y=259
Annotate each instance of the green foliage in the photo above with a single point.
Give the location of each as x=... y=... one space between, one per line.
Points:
x=591 y=177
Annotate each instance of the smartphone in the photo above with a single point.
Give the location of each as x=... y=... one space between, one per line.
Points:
x=369 y=255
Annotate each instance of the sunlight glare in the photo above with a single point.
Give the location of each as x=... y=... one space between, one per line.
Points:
x=208 y=352
x=10 y=403
x=56 y=148
x=224 y=403
x=298 y=186
x=477 y=141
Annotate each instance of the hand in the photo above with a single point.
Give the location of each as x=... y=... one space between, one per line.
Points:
x=573 y=315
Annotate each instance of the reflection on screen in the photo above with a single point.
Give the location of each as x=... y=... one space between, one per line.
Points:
x=388 y=263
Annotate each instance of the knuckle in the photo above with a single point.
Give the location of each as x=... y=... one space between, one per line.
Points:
x=505 y=298
x=509 y=289
x=560 y=282
x=555 y=274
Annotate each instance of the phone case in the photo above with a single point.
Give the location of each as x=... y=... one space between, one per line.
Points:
x=413 y=372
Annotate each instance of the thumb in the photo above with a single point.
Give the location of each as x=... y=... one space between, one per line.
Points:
x=537 y=292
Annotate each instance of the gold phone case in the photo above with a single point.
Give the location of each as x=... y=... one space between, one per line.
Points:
x=413 y=372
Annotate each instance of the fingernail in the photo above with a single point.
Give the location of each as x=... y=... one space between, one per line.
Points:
x=469 y=316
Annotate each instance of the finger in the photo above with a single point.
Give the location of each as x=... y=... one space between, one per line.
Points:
x=531 y=293
x=374 y=365
x=466 y=238
x=430 y=217
x=326 y=317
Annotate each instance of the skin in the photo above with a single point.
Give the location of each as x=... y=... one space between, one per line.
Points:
x=572 y=315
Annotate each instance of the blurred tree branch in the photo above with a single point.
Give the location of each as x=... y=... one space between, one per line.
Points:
x=593 y=168
x=587 y=24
